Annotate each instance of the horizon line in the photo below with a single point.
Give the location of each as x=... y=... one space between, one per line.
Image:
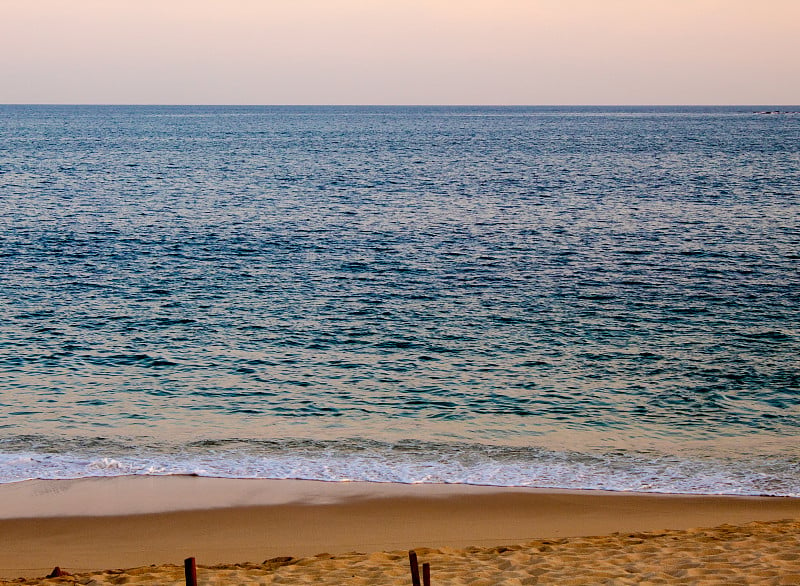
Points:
x=399 y=105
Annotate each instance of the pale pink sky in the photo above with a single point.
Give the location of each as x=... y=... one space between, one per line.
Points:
x=400 y=51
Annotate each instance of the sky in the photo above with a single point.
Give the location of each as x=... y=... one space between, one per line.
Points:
x=527 y=52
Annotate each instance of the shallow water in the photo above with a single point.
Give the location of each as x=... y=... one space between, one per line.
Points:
x=574 y=297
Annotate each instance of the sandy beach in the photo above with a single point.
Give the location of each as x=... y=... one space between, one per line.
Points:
x=359 y=533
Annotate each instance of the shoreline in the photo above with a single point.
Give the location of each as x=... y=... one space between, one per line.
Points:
x=99 y=496
x=126 y=522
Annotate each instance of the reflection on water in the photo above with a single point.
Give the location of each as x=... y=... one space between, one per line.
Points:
x=578 y=280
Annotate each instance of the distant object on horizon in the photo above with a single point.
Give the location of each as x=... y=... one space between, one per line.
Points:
x=778 y=112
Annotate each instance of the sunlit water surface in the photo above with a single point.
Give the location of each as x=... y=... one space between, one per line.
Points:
x=574 y=297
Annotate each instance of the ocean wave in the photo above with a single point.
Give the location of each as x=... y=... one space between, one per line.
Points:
x=419 y=462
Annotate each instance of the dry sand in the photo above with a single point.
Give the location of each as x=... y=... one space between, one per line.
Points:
x=469 y=535
x=756 y=553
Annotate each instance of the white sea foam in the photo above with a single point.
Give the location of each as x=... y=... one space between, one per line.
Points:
x=623 y=473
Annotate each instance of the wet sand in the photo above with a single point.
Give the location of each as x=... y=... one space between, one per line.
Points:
x=86 y=526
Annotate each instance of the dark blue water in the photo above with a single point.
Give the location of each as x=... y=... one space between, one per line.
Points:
x=571 y=297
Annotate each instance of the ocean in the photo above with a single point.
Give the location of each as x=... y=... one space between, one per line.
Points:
x=575 y=297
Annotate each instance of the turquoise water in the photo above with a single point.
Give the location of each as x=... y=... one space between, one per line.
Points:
x=560 y=297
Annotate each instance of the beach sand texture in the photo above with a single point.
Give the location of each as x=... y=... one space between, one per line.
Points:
x=468 y=534
x=755 y=553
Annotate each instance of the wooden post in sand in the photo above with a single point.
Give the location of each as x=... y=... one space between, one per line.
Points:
x=426 y=574
x=190 y=569
x=412 y=558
